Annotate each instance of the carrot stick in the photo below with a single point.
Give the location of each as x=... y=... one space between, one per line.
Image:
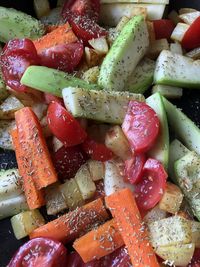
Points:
x=34 y=197
x=63 y=34
x=100 y=242
x=73 y=224
x=35 y=148
x=123 y=207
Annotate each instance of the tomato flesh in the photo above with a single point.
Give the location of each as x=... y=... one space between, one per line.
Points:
x=17 y=56
x=151 y=189
x=40 y=252
x=134 y=168
x=65 y=57
x=163 y=28
x=68 y=160
x=64 y=126
x=141 y=126
x=191 y=38
x=52 y=98
x=96 y=151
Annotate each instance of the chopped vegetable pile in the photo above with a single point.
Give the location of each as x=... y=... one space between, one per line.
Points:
x=118 y=170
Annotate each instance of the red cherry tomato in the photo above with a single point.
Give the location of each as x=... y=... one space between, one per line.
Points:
x=89 y=8
x=68 y=160
x=16 y=57
x=52 y=98
x=64 y=126
x=163 y=28
x=191 y=38
x=141 y=126
x=134 y=168
x=63 y=57
x=40 y=252
x=195 y=262
x=150 y=190
x=96 y=151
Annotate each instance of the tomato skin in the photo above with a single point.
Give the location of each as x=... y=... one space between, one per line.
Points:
x=195 y=262
x=163 y=28
x=150 y=190
x=17 y=56
x=191 y=38
x=96 y=151
x=141 y=126
x=52 y=98
x=68 y=160
x=65 y=57
x=64 y=126
x=40 y=252
x=134 y=168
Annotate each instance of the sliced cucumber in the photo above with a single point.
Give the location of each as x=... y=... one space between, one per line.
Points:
x=176 y=151
x=52 y=81
x=168 y=91
x=184 y=128
x=102 y=106
x=16 y=24
x=10 y=185
x=177 y=70
x=160 y=151
x=142 y=77
x=5 y=139
x=125 y=53
x=12 y=206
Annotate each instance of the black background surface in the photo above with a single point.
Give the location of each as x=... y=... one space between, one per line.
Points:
x=190 y=103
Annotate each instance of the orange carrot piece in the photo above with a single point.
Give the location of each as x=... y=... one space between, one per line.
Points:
x=124 y=209
x=35 y=148
x=63 y=34
x=34 y=197
x=73 y=224
x=99 y=242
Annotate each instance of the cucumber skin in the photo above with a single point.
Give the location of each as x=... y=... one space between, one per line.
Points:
x=52 y=81
x=16 y=24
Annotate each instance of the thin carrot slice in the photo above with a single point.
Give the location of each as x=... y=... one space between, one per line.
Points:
x=73 y=224
x=34 y=197
x=34 y=147
x=124 y=209
x=100 y=242
x=63 y=34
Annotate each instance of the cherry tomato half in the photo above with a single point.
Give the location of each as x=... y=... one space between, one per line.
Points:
x=96 y=151
x=191 y=38
x=68 y=160
x=64 y=126
x=40 y=252
x=65 y=57
x=163 y=28
x=151 y=189
x=17 y=56
x=141 y=126
x=134 y=168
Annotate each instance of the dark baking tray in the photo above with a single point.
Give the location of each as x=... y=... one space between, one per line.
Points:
x=190 y=103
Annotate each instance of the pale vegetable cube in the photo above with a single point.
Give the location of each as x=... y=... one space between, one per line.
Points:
x=25 y=222
x=86 y=185
x=42 y=7
x=172 y=199
x=91 y=75
x=5 y=138
x=117 y=142
x=176 y=48
x=156 y=47
x=155 y=214
x=171 y=231
x=9 y=107
x=196 y=233
x=96 y=169
x=179 y=255
x=93 y=58
x=57 y=144
x=100 y=45
x=40 y=110
x=195 y=53
x=71 y=194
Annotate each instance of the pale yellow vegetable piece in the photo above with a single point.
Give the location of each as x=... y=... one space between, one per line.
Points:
x=96 y=169
x=156 y=47
x=5 y=139
x=154 y=215
x=9 y=107
x=100 y=45
x=196 y=233
x=91 y=75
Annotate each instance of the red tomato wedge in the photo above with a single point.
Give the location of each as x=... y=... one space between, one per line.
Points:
x=150 y=190
x=141 y=126
x=64 y=126
x=65 y=57
x=134 y=168
x=68 y=160
x=52 y=98
x=40 y=252
x=195 y=262
x=191 y=38
x=16 y=57
x=163 y=28
x=96 y=151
